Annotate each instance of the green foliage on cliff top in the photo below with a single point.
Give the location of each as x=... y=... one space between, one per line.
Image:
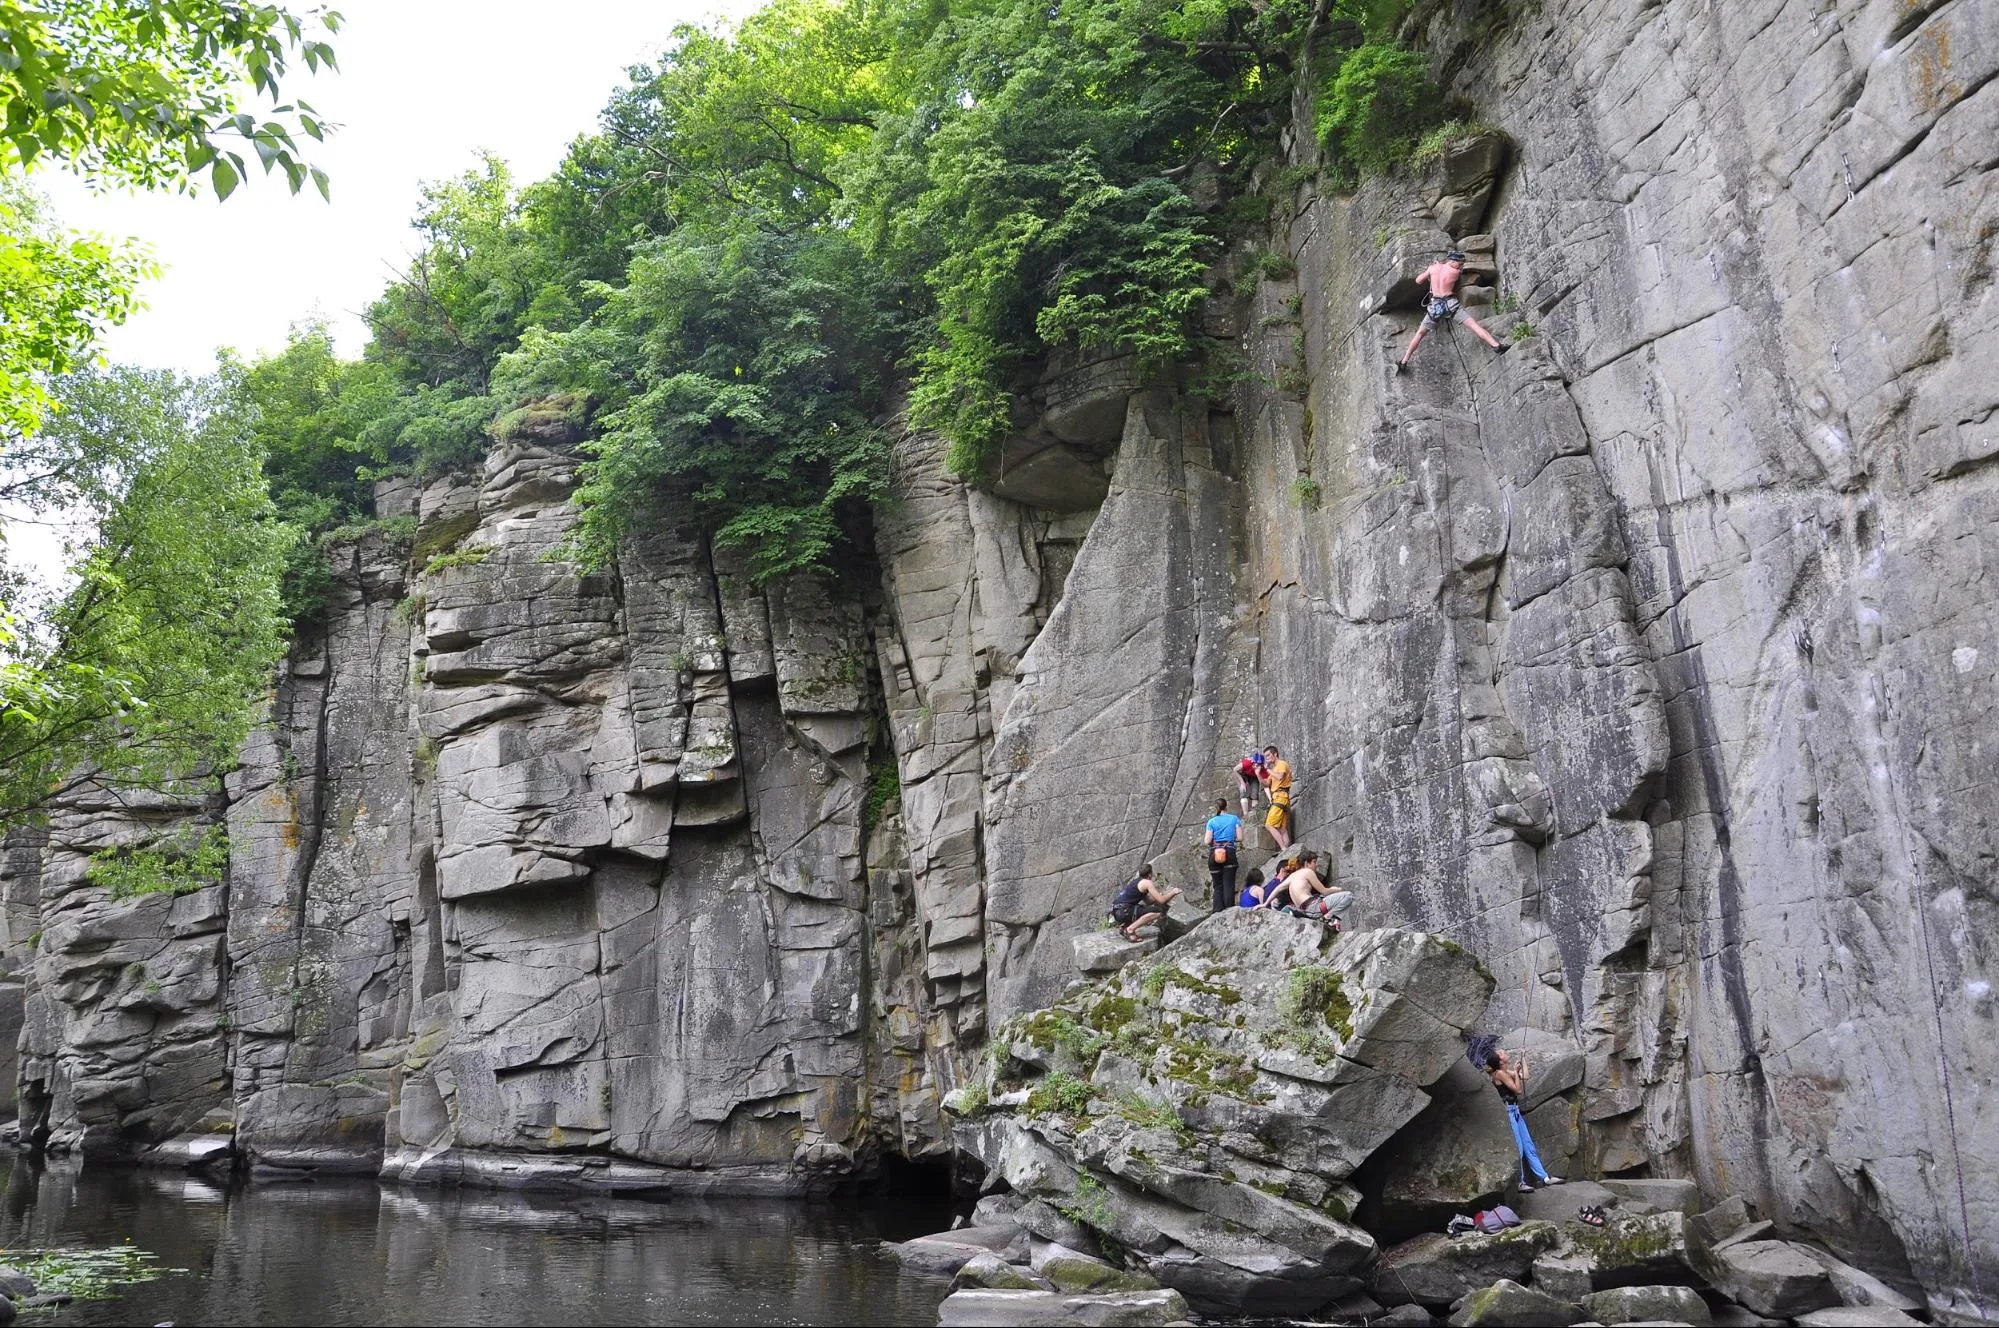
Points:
x=784 y=232
x=787 y=231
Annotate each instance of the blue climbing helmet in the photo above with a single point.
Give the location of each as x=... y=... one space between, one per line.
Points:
x=1482 y=1050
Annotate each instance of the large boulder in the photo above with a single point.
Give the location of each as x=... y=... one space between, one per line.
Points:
x=1457 y=1156
x=1205 y=1110
x=1563 y=1274
x=990 y=1272
x=1107 y=951
x=1659 y=1196
x=1559 y=1203
x=1772 y=1277
x=1073 y=1271
x=1435 y=1269
x=1861 y=1289
x=940 y=1255
x=1856 y=1316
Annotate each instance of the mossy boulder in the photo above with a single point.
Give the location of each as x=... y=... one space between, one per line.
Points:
x=1434 y=1269
x=1070 y=1271
x=1201 y=1112
x=1507 y=1304
x=991 y=1271
x=1636 y=1251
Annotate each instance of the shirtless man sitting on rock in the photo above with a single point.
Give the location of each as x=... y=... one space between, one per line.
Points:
x=1308 y=896
x=1440 y=304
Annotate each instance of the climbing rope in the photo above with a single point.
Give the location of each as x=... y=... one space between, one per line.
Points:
x=1949 y=1097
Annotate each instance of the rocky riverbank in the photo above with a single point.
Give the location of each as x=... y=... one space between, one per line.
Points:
x=1239 y=1123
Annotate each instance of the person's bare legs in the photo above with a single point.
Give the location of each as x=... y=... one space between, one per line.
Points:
x=1280 y=834
x=1478 y=331
x=1422 y=330
x=1131 y=932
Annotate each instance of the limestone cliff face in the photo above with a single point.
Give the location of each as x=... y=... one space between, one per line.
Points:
x=1652 y=661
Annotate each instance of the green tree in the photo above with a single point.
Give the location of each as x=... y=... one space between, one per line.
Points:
x=1033 y=190
x=1375 y=106
x=745 y=375
x=151 y=92
x=781 y=225
x=60 y=290
x=146 y=672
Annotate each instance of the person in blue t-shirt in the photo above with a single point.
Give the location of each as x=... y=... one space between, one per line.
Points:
x=1224 y=835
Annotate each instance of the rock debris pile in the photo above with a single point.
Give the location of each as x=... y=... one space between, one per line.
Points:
x=1232 y=1125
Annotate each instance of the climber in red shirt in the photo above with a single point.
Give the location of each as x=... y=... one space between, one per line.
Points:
x=1441 y=304
x=1249 y=781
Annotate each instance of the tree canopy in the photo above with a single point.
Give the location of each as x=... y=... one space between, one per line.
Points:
x=151 y=92
x=144 y=667
x=146 y=673
x=786 y=232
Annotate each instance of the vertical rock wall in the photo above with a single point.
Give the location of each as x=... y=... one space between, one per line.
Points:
x=1651 y=661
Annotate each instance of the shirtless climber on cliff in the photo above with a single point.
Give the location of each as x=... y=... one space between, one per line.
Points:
x=1440 y=304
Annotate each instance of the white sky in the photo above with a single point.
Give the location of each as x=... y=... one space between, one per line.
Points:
x=423 y=86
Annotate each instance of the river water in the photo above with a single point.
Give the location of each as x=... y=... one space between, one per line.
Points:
x=354 y=1252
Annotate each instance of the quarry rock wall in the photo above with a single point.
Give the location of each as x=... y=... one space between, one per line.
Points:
x=1651 y=661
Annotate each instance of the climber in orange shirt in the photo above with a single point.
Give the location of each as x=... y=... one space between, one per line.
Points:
x=1441 y=305
x=1276 y=776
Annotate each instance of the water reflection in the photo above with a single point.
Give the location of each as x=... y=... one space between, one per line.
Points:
x=352 y=1252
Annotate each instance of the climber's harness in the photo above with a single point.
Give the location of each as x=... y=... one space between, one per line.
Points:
x=1441 y=308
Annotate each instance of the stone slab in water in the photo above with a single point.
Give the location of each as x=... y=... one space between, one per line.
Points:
x=1855 y=1316
x=1053 y=1309
x=1648 y=1304
x=935 y=1254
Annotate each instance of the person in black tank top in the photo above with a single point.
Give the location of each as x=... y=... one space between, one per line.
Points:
x=1510 y=1081
x=1140 y=903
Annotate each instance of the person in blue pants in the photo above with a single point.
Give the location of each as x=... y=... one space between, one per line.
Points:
x=1511 y=1081
x=1223 y=837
